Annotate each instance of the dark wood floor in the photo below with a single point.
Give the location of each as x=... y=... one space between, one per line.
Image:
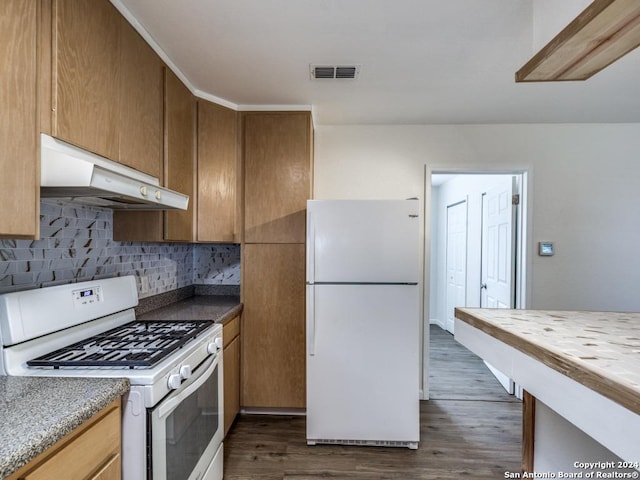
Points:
x=470 y=428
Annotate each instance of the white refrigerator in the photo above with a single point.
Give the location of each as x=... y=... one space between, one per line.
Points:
x=363 y=333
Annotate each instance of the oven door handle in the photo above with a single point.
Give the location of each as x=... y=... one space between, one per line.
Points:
x=207 y=368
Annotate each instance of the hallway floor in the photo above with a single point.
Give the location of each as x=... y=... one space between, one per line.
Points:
x=470 y=428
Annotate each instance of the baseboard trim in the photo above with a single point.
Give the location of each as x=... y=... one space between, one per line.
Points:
x=438 y=322
x=273 y=411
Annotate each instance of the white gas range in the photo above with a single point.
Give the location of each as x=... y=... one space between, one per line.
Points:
x=172 y=418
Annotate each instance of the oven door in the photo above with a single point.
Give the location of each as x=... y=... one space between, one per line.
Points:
x=187 y=427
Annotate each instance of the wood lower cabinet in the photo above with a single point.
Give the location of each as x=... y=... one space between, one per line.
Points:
x=231 y=356
x=277 y=175
x=86 y=74
x=218 y=174
x=273 y=329
x=92 y=451
x=111 y=471
x=19 y=181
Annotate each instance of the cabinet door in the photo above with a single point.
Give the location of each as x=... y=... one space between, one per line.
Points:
x=179 y=173
x=141 y=104
x=86 y=74
x=92 y=451
x=273 y=326
x=19 y=189
x=179 y=155
x=277 y=166
x=111 y=471
x=217 y=173
x=231 y=382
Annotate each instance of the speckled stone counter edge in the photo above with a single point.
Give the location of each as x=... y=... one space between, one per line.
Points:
x=163 y=299
x=27 y=445
x=155 y=302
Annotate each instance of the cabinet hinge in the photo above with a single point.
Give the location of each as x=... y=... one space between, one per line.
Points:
x=515 y=199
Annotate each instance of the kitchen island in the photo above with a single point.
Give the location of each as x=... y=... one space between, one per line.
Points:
x=581 y=375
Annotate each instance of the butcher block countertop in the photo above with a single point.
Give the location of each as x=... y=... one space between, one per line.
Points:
x=36 y=412
x=600 y=350
x=219 y=308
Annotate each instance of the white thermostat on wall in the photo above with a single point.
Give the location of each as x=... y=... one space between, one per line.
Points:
x=545 y=249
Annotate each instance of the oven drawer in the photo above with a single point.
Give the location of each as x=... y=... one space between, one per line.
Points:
x=91 y=451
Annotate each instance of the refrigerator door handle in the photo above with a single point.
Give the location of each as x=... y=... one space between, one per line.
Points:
x=311 y=248
x=311 y=322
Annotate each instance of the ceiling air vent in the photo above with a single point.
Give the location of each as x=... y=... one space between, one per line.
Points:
x=349 y=72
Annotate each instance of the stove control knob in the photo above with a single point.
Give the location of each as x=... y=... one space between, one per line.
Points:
x=218 y=341
x=185 y=371
x=174 y=381
x=212 y=347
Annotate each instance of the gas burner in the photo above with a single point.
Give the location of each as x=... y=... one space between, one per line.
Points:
x=138 y=344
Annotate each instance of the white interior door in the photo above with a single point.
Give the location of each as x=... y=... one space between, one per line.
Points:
x=498 y=259
x=456 y=260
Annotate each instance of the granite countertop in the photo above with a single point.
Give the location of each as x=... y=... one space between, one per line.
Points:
x=600 y=350
x=29 y=423
x=219 y=308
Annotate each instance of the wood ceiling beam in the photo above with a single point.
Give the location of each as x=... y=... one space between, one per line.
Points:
x=605 y=31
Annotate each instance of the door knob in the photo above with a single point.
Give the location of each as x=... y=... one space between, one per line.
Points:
x=483 y=286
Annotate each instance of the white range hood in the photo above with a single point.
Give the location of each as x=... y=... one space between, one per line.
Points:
x=79 y=176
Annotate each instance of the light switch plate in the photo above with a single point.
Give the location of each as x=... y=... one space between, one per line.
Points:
x=545 y=249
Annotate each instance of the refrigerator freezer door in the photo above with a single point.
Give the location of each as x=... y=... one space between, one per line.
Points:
x=362 y=381
x=372 y=241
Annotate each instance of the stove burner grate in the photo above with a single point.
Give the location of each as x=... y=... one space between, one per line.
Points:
x=138 y=344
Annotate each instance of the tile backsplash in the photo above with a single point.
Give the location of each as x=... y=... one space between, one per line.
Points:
x=216 y=266
x=77 y=245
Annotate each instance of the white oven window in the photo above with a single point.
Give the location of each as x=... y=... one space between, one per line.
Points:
x=190 y=428
x=187 y=428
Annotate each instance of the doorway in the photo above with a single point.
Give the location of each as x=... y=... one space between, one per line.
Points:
x=476 y=245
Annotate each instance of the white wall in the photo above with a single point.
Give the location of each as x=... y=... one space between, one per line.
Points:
x=551 y=16
x=583 y=193
x=559 y=444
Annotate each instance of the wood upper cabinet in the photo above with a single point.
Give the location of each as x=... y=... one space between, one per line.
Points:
x=107 y=85
x=218 y=167
x=141 y=104
x=179 y=138
x=86 y=74
x=273 y=326
x=277 y=173
x=19 y=181
x=179 y=173
x=91 y=451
